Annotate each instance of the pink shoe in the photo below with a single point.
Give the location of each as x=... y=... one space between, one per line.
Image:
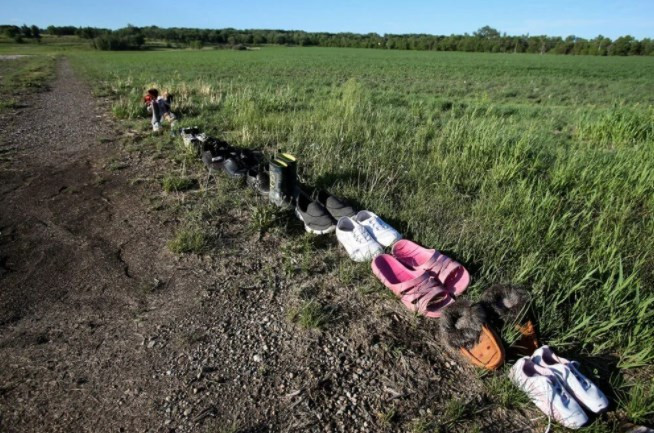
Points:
x=417 y=289
x=451 y=274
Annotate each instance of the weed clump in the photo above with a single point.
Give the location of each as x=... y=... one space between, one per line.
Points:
x=191 y=239
x=172 y=183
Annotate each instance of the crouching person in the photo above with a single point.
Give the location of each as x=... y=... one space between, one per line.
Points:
x=159 y=106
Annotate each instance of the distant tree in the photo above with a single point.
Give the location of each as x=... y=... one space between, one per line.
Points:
x=26 y=31
x=36 y=33
x=487 y=32
x=621 y=46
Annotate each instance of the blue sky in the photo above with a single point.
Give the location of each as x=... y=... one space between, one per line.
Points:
x=585 y=18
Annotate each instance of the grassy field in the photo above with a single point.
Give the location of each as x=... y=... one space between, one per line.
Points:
x=533 y=170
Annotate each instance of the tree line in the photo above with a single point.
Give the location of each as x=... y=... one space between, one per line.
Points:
x=486 y=39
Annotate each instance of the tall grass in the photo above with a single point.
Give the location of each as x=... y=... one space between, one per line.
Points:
x=530 y=170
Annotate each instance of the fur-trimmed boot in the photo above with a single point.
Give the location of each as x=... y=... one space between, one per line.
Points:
x=464 y=328
x=510 y=305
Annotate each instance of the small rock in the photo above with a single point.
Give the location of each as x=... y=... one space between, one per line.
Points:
x=151 y=344
x=256 y=358
x=187 y=412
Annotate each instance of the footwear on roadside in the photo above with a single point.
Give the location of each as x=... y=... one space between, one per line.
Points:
x=418 y=291
x=450 y=273
x=315 y=217
x=234 y=167
x=548 y=393
x=279 y=184
x=259 y=180
x=356 y=240
x=464 y=328
x=290 y=183
x=215 y=153
x=509 y=305
x=378 y=229
x=336 y=207
x=578 y=385
x=192 y=137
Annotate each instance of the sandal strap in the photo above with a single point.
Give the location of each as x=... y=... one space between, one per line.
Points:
x=442 y=266
x=437 y=296
x=421 y=295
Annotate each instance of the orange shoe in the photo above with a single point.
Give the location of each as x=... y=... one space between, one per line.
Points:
x=488 y=353
x=527 y=344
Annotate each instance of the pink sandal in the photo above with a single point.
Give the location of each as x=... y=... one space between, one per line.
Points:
x=418 y=290
x=450 y=273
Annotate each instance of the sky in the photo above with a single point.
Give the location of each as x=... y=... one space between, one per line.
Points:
x=584 y=18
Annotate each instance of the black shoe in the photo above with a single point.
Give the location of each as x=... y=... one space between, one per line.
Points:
x=315 y=217
x=234 y=167
x=259 y=180
x=278 y=188
x=251 y=158
x=215 y=154
x=336 y=207
x=290 y=183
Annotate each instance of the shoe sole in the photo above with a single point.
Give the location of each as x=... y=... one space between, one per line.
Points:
x=314 y=231
x=319 y=232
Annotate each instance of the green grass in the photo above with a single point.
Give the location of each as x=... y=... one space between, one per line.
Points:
x=533 y=170
x=174 y=183
x=21 y=75
x=190 y=239
x=311 y=315
x=529 y=169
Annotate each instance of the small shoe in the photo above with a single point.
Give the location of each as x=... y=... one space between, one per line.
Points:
x=156 y=127
x=464 y=328
x=488 y=353
x=547 y=392
x=315 y=217
x=234 y=167
x=578 y=385
x=215 y=156
x=251 y=158
x=188 y=135
x=336 y=207
x=278 y=184
x=290 y=173
x=380 y=231
x=418 y=291
x=509 y=305
x=356 y=240
x=450 y=273
x=259 y=180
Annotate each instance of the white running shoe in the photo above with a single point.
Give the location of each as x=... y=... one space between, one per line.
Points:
x=156 y=127
x=585 y=391
x=380 y=231
x=547 y=392
x=356 y=240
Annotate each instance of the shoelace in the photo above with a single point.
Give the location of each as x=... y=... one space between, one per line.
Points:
x=379 y=224
x=361 y=236
x=580 y=378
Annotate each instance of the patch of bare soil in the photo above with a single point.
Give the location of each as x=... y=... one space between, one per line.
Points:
x=102 y=328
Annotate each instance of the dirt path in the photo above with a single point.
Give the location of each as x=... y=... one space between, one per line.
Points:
x=103 y=329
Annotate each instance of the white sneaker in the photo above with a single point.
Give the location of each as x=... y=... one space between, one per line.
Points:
x=356 y=240
x=547 y=392
x=382 y=232
x=156 y=127
x=585 y=391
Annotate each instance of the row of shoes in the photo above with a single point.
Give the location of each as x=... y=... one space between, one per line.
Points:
x=427 y=281
x=363 y=234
